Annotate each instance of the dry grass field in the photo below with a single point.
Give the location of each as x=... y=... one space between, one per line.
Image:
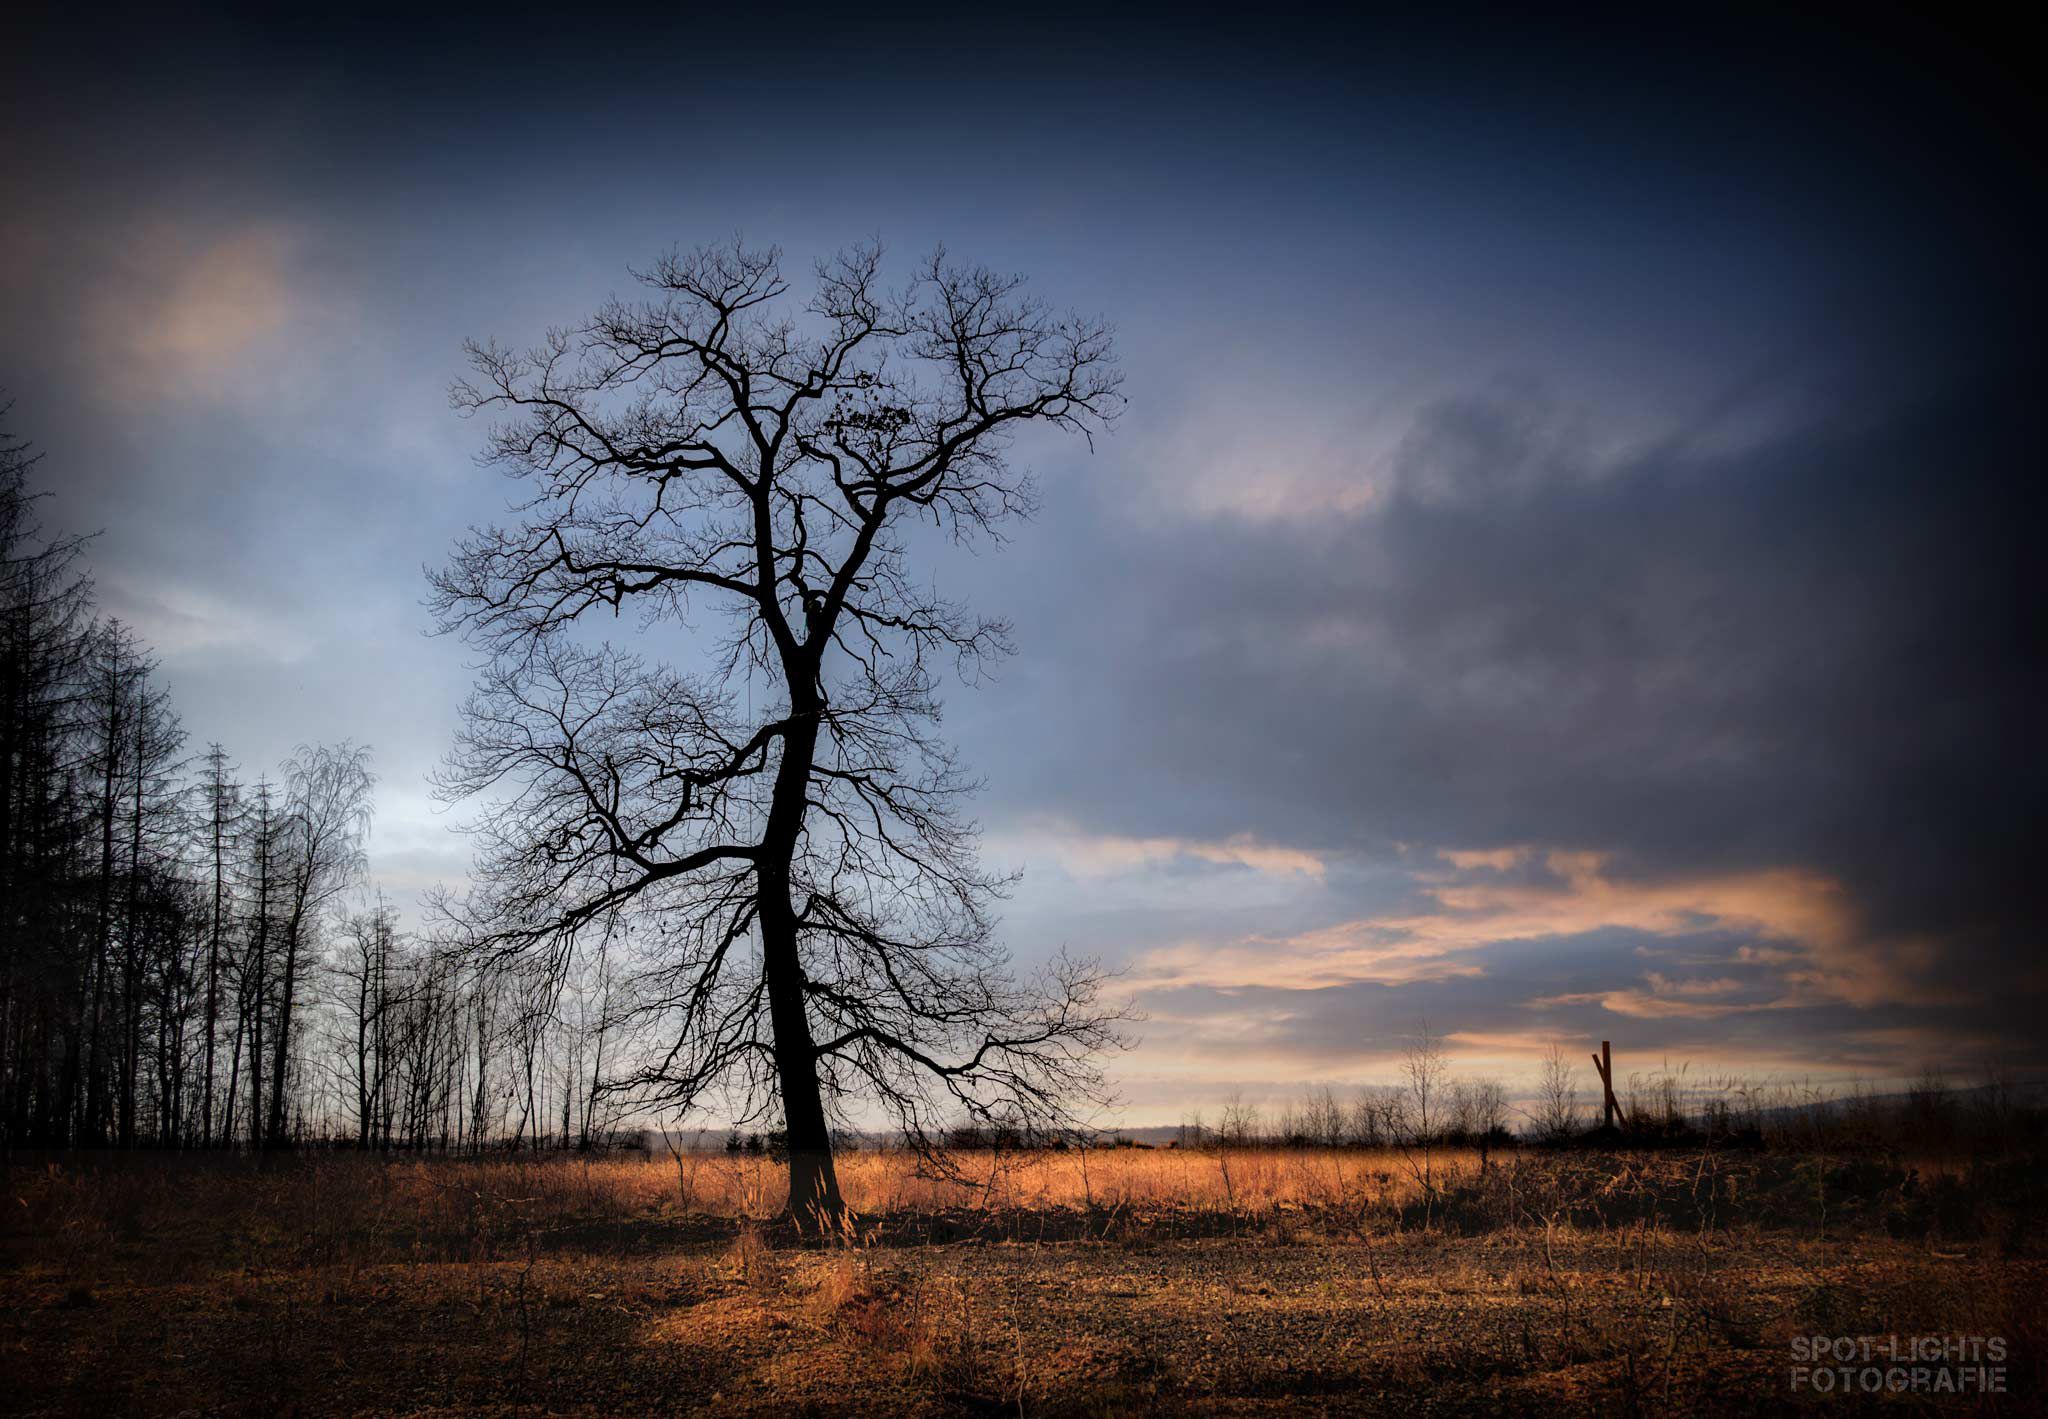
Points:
x=1104 y=1282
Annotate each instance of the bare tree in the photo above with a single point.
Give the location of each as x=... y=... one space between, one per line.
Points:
x=220 y=811
x=1557 y=1098
x=47 y=955
x=1375 y=1116
x=117 y=663
x=328 y=790
x=1323 y=1117
x=149 y=796
x=1424 y=1072
x=141 y=899
x=363 y=970
x=1240 y=1125
x=1479 y=1114
x=1479 y=1109
x=782 y=828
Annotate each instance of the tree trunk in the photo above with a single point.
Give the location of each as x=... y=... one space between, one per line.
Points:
x=814 y=1201
x=281 y=1041
x=213 y=956
x=815 y=1204
x=365 y=1123
x=95 y=1057
x=260 y=964
x=131 y=945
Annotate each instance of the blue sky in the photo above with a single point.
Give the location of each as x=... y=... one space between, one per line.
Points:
x=1559 y=573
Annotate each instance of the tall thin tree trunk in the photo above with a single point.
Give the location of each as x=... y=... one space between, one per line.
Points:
x=213 y=952
x=131 y=945
x=281 y=1037
x=261 y=947
x=95 y=1059
x=227 y=1112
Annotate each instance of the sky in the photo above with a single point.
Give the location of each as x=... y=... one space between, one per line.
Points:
x=1563 y=574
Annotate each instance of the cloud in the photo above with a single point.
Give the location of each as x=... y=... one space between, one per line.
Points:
x=1805 y=917
x=1366 y=673
x=1374 y=952
x=1656 y=1005
x=1767 y=687
x=1096 y=855
x=178 y=619
x=1316 y=452
x=185 y=313
x=1498 y=859
x=1713 y=745
x=1530 y=1045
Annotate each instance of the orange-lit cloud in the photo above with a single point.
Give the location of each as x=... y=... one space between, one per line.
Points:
x=1352 y=952
x=1807 y=932
x=1532 y=1044
x=1500 y=859
x=181 y=315
x=1094 y=855
x=1656 y=1005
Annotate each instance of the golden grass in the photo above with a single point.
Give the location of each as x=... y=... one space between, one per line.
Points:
x=337 y=1283
x=889 y=1182
x=190 y=1214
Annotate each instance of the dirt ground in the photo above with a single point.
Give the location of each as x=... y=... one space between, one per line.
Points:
x=110 y=1305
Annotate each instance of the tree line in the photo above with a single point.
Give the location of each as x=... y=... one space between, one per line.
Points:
x=161 y=917
x=1989 y=1111
x=186 y=955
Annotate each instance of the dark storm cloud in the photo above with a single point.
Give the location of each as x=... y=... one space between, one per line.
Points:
x=1813 y=652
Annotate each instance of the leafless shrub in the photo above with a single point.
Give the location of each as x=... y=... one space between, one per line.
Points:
x=1558 y=1115
x=1240 y=1125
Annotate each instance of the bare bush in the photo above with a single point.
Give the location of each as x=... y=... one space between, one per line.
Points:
x=1557 y=1102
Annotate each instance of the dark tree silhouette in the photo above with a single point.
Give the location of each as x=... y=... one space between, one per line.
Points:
x=219 y=816
x=778 y=824
x=46 y=941
x=328 y=805
x=152 y=924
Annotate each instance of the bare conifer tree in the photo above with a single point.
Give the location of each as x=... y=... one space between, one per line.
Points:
x=773 y=818
x=220 y=811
